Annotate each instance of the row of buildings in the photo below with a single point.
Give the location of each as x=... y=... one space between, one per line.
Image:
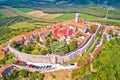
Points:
x=66 y=30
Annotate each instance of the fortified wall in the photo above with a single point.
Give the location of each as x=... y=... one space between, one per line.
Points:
x=51 y=58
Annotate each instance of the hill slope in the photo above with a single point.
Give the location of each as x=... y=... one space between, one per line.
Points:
x=107 y=64
x=37 y=3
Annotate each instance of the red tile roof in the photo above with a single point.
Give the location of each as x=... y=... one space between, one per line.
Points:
x=17 y=38
x=55 y=32
x=70 y=32
x=76 y=32
x=29 y=34
x=63 y=28
x=37 y=31
x=84 y=41
x=72 y=22
x=61 y=34
x=75 y=39
x=3 y=68
x=43 y=38
x=108 y=28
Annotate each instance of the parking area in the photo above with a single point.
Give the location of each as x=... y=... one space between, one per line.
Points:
x=44 y=67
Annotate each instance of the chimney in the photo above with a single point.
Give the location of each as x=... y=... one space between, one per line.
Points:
x=77 y=18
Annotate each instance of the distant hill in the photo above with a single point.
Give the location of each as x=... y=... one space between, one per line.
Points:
x=39 y=3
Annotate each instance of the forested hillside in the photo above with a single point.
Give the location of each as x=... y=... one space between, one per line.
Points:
x=107 y=64
x=36 y=3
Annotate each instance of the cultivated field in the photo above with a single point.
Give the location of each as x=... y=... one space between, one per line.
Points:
x=51 y=16
x=24 y=9
x=72 y=15
x=37 y=13
x=8 y=12
x=98 y=11
x=41 y=14
x=87 y=17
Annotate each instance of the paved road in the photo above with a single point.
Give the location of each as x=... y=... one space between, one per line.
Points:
x=55 y=67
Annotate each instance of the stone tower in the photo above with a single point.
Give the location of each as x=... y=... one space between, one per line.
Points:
x=77 y=18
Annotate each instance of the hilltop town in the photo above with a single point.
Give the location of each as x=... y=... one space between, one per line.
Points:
x=46 y=49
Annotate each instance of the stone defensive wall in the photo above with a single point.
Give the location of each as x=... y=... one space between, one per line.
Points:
x=52 y=58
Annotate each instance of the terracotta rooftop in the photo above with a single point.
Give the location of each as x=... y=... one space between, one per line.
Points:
x=29 y=34
x=75 y=39
x=72 y=23
x=3 y=68
x=76 y=32
x=63 y=28
x=59 y=26
x=84 y=41
x=17 y=38
x=108 y=28
x=37 y=31
x=43 y=38
x=61 y=34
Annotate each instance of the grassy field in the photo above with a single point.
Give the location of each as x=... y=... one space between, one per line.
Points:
x=22 y=25
x=66 y=16
x=12 y=12
x=51 y=16
x=72 y=15
x=8 y=13
x=87 y=17
x=98 y=11
x=2 y=14
x=28 y=25
x=31 y=24
x=24 y=9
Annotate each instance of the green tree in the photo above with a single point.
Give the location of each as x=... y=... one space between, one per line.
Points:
x=40 y=76
x=59 y=47
x=43 y=51
x=49 y=40
x=72 y=45
x=35 y=51
x=23 y=73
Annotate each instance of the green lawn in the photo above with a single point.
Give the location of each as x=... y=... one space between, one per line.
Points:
x=25 y=9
